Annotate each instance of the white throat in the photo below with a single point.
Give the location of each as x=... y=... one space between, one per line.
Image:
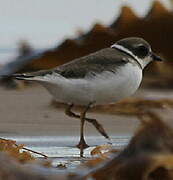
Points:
x=117 y=46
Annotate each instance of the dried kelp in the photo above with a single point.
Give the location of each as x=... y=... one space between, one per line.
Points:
x=12 y=170
x=129 y=106
x=19 y=152
x=13 y=150
x=134 y=106
x=148 y=156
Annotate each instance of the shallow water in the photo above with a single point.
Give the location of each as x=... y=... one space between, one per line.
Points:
x=62 y=149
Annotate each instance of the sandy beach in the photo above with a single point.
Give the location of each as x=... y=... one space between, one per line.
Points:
x=28 y=118
x=28 y=112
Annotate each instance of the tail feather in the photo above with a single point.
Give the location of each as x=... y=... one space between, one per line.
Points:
x=22 y=76
x=35 y=76
x=19 y=76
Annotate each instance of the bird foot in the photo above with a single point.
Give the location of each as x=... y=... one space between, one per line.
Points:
x=82 y=145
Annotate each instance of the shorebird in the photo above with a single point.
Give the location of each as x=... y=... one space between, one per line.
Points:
x=103 y=77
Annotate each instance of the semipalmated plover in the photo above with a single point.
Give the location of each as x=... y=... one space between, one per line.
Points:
x=103 y=77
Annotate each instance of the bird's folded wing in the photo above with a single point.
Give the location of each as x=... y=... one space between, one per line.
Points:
x=104 y=60
x=107 y=59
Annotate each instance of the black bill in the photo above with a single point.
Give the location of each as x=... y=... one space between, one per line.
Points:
x=155 y=57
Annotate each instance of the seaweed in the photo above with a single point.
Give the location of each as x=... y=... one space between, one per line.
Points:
x=148 y=156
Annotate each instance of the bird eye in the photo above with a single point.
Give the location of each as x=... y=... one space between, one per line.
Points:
x=142 y=50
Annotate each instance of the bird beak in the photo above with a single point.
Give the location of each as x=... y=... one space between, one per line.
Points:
x=155 y=57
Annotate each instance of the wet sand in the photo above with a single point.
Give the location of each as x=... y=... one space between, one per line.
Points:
x=28 y=112
x=26 y=116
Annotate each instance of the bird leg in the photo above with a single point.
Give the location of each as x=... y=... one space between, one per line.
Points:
x=82 y=144
x=95 y=123
x=68 y=112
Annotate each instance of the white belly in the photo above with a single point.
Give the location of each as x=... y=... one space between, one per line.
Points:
x=104 y=88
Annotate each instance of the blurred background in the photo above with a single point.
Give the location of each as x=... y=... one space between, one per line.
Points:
x=39 y=34
x=42 y=34
x=47 y=23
